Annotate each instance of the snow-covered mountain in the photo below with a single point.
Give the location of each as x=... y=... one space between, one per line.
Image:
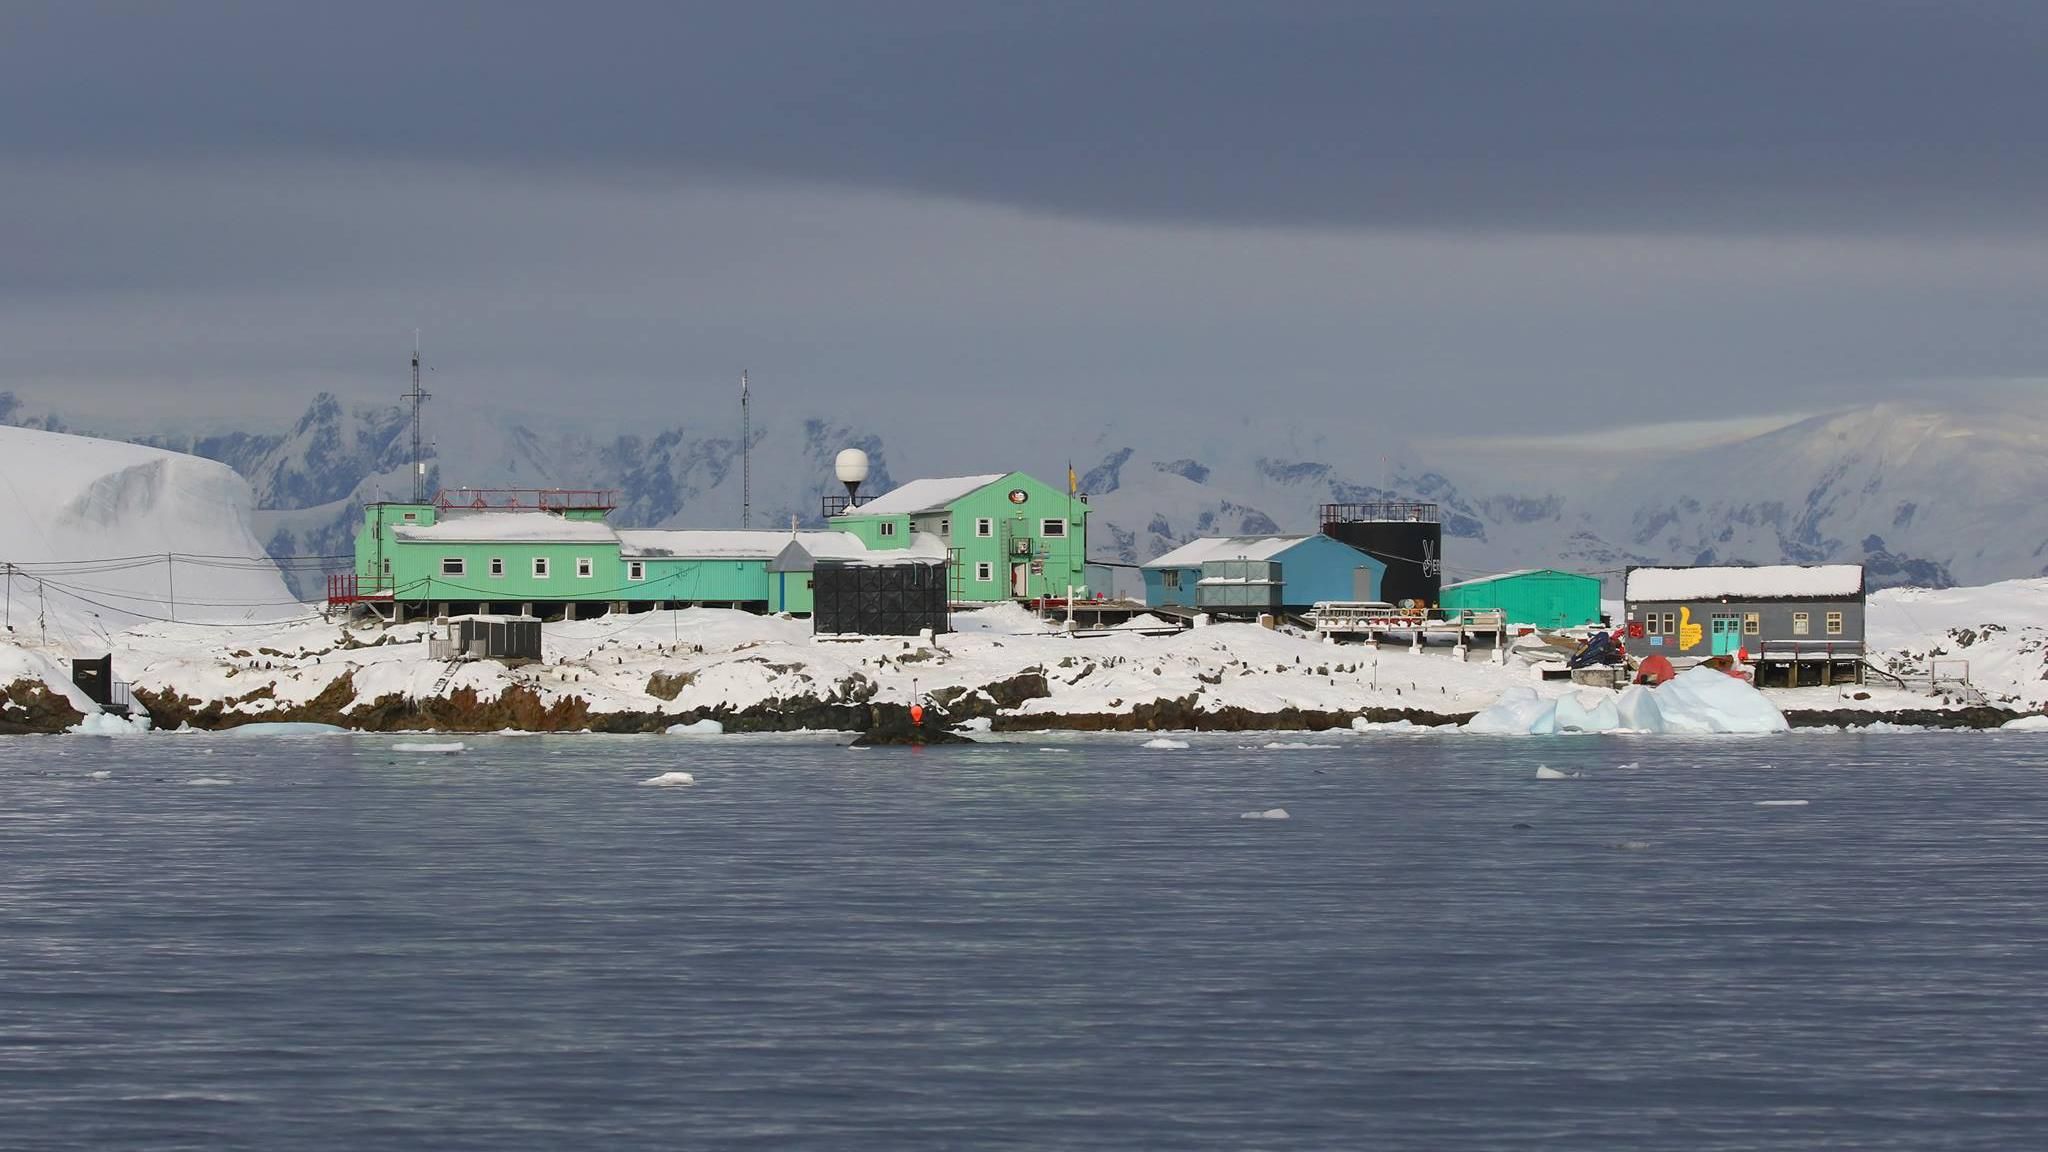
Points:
x=1919 y=495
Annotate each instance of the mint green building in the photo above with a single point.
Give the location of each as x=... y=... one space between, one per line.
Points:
x=551 y=554
x=1006 y=535
x=1538 y=597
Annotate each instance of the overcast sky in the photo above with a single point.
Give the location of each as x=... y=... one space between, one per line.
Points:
x=1545 y=216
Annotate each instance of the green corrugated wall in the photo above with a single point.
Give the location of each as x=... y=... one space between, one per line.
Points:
x=1543 y=599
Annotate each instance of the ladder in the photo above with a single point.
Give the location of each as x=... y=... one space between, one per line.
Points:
x=447 y=675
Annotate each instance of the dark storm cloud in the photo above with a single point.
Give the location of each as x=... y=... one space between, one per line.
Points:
x=1683 y=117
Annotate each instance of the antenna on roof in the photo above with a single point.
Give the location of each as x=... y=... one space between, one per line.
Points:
x=746 y=456
x=418 y=397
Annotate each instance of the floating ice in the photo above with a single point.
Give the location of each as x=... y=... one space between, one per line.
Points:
x=1545 y=772
x=1165 y=745
x=1781 y=803
x=102 y=774
x=1268 y=814
x=697 y=728
x=104 y=724
x=207 y=781
x=2026 y=724
x=669 y=780
x=1284 y=746
x=1632 y=845
x=448 y=749
x=1406 y=727
x=280 y=729
x=1697 y=702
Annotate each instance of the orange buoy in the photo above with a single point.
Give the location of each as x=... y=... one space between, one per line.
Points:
x=917 y=715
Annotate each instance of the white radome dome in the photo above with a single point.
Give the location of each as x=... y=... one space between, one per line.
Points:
x=851 y=466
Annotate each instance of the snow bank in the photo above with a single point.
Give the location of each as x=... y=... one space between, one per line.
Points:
x=697 y=728
x=976 y=724
x=2026 y=724
x=76 y=499
x=1699 y=702
x=669 y=780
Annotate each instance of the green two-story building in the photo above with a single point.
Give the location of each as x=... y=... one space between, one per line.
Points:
x=1007 y=535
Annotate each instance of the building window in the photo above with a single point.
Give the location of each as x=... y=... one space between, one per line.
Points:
x=387 y=567
x=946 y=527
x=1650 y=625
x=636 y=570
x=984 y=527
x=1170 y=578
x=1834 y=623
x=540 y=567
x=1671 y=623
x=412 y=517
x=583 y=567
x=888 y=528
x=1052 y=527
x=984 y=571
x=452 y=566
x=1752 y=624
x=1800 y=627
x=497 y=566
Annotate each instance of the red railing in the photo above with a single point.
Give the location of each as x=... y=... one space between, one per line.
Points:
x=347 y=588
x=541 y=499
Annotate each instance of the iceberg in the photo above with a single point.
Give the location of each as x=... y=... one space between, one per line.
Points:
x=669 y=780
x=1698 y=702
x=1268 y=814
x=1163 y=744
x=697 y=728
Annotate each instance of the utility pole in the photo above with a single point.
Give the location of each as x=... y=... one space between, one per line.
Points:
x=10 y=597
x=418 y=397
x=171 y=582
x=746 y=454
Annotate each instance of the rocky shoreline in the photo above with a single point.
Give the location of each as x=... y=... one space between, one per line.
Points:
x=27 y=707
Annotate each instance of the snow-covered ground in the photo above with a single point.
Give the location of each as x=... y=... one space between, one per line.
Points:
x=679 y=664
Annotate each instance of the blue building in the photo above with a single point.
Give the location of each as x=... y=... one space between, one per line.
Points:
x=1306 y=569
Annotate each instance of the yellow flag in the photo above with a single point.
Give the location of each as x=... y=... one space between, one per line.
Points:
x=1073 y=481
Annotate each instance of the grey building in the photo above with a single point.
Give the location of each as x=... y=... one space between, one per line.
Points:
x=1797 y=624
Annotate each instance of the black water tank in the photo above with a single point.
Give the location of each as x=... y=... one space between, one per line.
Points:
x=1405 y=536
x=878 y=599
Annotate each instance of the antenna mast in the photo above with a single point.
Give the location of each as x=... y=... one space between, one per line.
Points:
x=419 y=460
x=746 y=454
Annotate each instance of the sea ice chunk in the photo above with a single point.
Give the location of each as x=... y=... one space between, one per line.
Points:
x=669 y=780
x=705 y=727
x=448 y=749
x=1268 y=814
x=1164 y=744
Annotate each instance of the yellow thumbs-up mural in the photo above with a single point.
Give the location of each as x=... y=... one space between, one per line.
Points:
x=1688 y=632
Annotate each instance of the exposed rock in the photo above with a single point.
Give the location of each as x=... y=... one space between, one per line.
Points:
x=669 y=685
x=1977 y=716
x=28 y=707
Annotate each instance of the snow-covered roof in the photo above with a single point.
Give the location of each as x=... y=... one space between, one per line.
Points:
x=697 y=544
x=1763 y=582
x=1511 y=575
x=927 y=495
x=1195 y=553
x=508 y=527
x=838 y=547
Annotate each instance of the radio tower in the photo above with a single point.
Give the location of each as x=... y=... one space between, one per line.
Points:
x=746 y=454
x=418 y=397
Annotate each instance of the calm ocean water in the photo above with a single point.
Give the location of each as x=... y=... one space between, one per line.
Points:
x=1064 y=943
